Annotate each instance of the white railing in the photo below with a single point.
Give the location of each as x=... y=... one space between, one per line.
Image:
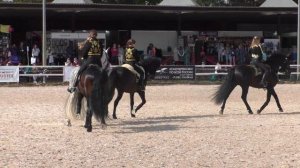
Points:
x=60 y=71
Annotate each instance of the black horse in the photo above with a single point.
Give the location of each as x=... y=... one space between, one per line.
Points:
x=91 y=86
x=248 y=75
x=124 y=80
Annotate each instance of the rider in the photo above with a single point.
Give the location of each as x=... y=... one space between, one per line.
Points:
x=92 y=52
x=132 y=58
x=257 y=59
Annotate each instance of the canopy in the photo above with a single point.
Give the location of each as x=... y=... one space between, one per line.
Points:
x=73 y=1
x=279 y=3
x=178 y=3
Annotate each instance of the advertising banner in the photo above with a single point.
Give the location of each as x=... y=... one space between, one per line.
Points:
x=176 y=72
x=9 y=74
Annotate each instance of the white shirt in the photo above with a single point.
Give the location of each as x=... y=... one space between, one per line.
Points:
x=35 y=52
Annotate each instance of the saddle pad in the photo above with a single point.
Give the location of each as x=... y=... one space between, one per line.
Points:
x=130 y=68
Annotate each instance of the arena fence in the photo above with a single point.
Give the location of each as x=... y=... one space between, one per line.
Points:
x=166 y=72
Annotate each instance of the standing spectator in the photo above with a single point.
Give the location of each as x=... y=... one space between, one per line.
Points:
x=23 y=54
x=14 y=58
x=50 y=57
x=203 y=55
x=68 y=62
x=151 y=50
x=241 y=54
x=113 y=54
x=120 y=54
x=35 y=54
x=187 y=58
x=181 y=55
x=75 y=62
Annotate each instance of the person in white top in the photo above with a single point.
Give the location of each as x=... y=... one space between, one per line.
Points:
x=35 y=54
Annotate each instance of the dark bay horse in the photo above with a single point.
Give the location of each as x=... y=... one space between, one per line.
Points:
x=91 y=86
x=246 y=75
x=124 y=80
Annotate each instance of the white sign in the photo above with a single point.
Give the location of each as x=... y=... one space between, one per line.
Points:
x=9 y=74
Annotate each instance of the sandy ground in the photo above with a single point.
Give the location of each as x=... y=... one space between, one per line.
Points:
x=178 y=127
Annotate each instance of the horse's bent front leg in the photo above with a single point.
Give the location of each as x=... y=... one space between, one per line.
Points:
x=266 y=102
x=142 y=96
x=276 y=99
x=244 y=98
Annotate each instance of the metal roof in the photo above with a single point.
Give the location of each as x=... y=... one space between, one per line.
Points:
x=141 y=17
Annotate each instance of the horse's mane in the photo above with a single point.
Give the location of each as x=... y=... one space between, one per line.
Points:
x=275 y=59
x=150 y=63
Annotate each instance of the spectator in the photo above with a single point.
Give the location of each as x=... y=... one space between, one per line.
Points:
x=68 y=62
x=75 y=62
x=120 y=54
x=14 y=58
x=50 y=57
x=151 y=50
x=70 y=50
x=181 y=55
x=35 y=54
x=23 y=54
x=113 y=53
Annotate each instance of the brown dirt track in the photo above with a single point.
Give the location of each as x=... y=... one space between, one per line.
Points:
x=178 y=127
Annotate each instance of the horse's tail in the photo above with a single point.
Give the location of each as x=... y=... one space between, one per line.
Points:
x=225 y=88
x=97 y=103
x=71 y=107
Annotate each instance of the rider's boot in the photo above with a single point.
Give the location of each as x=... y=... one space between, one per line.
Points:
x=142 y=85
x=263 y=81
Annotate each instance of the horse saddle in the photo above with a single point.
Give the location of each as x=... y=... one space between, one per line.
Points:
x=131 y=69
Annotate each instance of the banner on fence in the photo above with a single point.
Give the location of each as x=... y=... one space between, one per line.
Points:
x=176 y=72
x=9 y=74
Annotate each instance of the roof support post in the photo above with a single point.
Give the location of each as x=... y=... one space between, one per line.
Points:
x=179 y=22
x=44 y=34
x=298 y=43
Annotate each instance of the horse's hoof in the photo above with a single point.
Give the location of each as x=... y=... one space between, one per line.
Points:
x=69 y=123
x=250 y=112
x=103 y=126
x=89 y=129
x=258 y=111
x=133 y=115
x=281 y=110
x=221 y=112
x=114 y=117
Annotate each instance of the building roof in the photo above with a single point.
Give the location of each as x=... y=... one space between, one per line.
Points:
x=279 y=3
x=178 y=3
x=72 y=2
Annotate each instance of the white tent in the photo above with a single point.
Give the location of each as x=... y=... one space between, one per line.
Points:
x=178 y=3
x=72 y=1
x=279 y=3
